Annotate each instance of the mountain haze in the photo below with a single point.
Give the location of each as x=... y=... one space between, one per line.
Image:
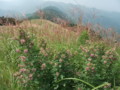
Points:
x=71 y=12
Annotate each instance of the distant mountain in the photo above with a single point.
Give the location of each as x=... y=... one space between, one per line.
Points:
x=78 y=13
x=51 y=13
x=92 y=15
x=71 y=12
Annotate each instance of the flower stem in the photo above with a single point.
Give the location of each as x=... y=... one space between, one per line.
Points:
x=75 y=79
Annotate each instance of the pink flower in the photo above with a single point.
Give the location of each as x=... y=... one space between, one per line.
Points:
x=16 y=74
x=93 y=68
x=96 y=55
x=79 y=89
x=86 y=50
x=103 y=57
x=34 y=69
x=26 y=51
x=22 y=41
x=23 y=70
x=45 y=54
x=61 y=60
x=87 y=68
x=89 y=59
x=17 y=50
x=24 y=81
x=43 y=66
x=22 y=57
x=21 y=76
x=68 y=52
x=107 y=52
x=23 y=60
x=30 y=75
x=21 y=65
x=42 y=51
x=88 y=64
x=63 y=56
x=51 y=63
x=92 y=55
x=105 y=62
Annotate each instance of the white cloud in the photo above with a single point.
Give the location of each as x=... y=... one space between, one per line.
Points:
x=109 y=5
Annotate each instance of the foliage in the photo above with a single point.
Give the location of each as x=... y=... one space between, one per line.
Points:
x=32 y=62
x=83 y=37
x=41 y=68
x=8 y=21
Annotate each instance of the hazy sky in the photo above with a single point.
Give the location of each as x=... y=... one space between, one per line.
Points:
x=108 y=5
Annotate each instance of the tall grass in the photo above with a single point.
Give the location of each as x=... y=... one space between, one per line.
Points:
x=78 y=47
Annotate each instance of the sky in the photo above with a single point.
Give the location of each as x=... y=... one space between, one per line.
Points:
x=107 y=5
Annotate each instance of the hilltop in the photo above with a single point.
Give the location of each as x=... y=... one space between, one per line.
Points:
x=76 y=14
x=39 y=54
x=73 y=13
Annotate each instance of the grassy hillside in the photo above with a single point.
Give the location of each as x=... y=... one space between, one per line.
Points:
x=49 y=13
x=74 y=13
x=42 y=55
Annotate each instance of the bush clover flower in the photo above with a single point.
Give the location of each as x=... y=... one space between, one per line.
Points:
x=43 y=66
x=18 y=50
x=26 y=51
x=87 y=68
x=22 y=41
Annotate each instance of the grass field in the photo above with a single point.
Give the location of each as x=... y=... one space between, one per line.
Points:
x=41 y=55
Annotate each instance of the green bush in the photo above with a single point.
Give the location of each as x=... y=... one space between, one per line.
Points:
x=42 y=68
x=100 y=64
x=83 y=37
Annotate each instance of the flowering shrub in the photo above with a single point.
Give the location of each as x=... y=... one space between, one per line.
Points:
x=100 y=63
x=28 y=55
x=40 y=67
